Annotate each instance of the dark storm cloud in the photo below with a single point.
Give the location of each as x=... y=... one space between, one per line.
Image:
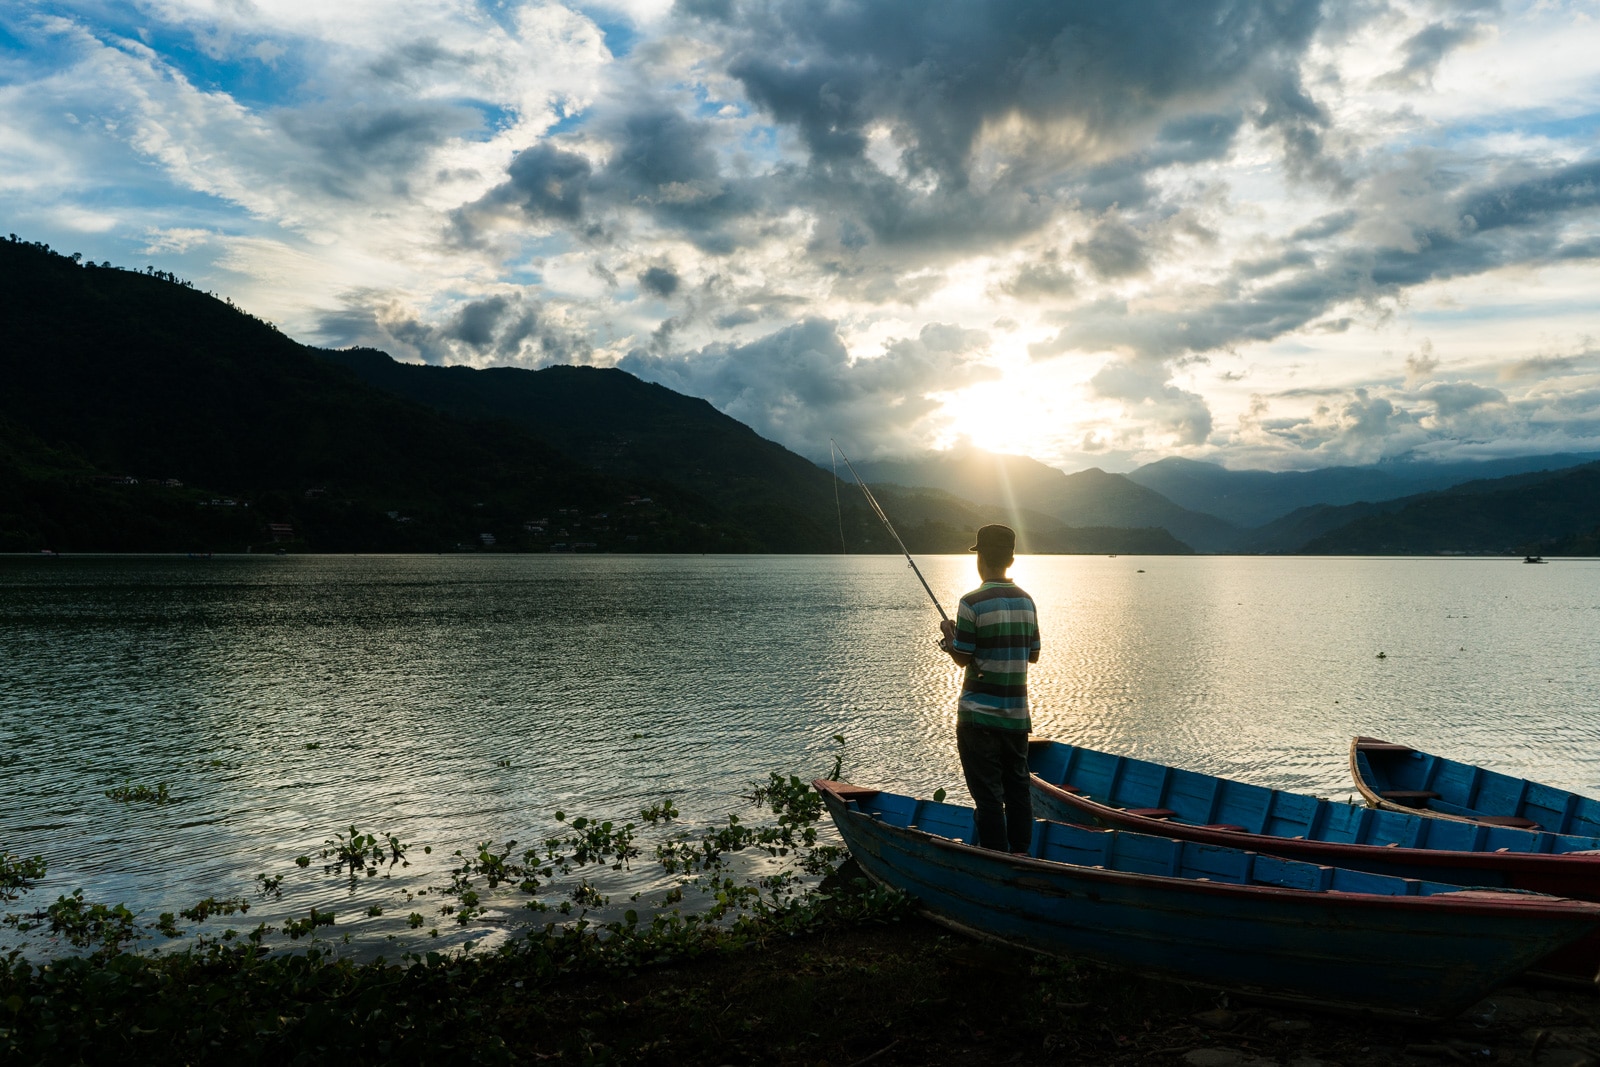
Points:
x=1087 y=99
x=1113 y=250
x=404 y=62
x=799 y=385
x=547 y=183
x=940 y=71
x=505 y=328
x=352 y=146
x=662 y=281
x=660 y=162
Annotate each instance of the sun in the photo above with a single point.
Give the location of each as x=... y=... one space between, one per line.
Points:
x=1030 y=410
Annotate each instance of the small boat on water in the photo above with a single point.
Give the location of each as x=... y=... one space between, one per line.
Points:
x=1267 y=926
x=1534 y=559
x=1399 y=778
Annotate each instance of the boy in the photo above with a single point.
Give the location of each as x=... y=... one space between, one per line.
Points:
x=995 y=636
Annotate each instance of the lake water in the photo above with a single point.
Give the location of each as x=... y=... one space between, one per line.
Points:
x=454 y=699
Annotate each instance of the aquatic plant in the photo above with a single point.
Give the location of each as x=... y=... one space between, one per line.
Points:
x=86 y=924
x=361 y=853
x=298 y=928
x=665 y=811
x=18 y=874
x=142 y=794
x=210 y=906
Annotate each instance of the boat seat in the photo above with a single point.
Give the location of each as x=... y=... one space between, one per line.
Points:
x=1074 y=790
x=1516 y=822
x=1152 y=813
x=1410 y=797
x=1230 y=827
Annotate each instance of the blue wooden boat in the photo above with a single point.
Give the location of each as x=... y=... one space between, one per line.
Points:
x=1080 y=785
x=1267 y=926
x=1399 y=778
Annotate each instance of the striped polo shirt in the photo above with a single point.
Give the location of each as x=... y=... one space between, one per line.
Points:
x=997 y=626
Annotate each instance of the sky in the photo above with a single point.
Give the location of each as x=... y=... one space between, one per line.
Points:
x=1269 y=234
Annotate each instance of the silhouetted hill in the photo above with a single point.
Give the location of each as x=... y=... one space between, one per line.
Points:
x=1251 y=498
x=113 y=377
x=1521 y=514
x=628 y=428
x=1087 y=498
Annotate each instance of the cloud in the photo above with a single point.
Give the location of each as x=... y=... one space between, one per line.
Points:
x=1148 y=397
x=1425 y=50
x=1454 y=398
x=1420 y=365
x=502 y=329
x=661 y=281
x=1113 y=250
x=800 y=386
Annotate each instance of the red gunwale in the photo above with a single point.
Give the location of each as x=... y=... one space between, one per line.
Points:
x=1562 y=874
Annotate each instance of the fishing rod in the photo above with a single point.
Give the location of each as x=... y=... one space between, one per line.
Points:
x=877 y=510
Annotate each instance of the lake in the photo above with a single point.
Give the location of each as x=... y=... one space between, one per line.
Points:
x=454 y=699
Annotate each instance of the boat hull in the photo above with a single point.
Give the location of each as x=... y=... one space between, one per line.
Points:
x=1406 y=957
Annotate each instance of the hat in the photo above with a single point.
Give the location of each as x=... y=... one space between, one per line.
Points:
x=995 y=540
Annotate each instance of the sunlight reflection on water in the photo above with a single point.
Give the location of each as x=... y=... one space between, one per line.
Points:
x=453 y=699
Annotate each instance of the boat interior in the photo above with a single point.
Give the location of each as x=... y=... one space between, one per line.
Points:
x=1143 y=854
x=1170 y=794
x=1416 y=779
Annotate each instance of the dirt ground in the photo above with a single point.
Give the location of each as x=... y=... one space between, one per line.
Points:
x=909 y=992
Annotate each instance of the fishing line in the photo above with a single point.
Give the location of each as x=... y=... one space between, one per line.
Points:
x=877 y=510
x=833 y=453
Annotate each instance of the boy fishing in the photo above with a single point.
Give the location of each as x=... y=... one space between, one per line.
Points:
x=995 y=635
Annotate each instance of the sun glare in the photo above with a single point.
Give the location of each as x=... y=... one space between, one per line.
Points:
x=1020 y=414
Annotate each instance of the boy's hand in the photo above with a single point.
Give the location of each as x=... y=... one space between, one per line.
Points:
x=948 y=628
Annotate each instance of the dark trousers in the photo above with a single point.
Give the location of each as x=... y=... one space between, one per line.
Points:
x=995 y=763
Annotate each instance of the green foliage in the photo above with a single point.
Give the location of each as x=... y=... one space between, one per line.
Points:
x=142 y=794
x=359 y=853
x=298 y=928
x=210 y=906
x=18 y=874
x=663 y=812
x=87 y=924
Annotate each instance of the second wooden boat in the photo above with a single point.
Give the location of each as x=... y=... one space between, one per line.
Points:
x=1271 y=927
x=1399 y=778
x=1076 y=784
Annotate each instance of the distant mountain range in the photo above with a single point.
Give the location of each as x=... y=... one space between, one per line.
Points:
x=1251 y=498
x=141 y=415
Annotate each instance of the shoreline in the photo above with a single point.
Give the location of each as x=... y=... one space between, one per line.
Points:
x=891 y=989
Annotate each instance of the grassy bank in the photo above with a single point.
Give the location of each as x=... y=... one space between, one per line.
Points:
x=855 y=985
